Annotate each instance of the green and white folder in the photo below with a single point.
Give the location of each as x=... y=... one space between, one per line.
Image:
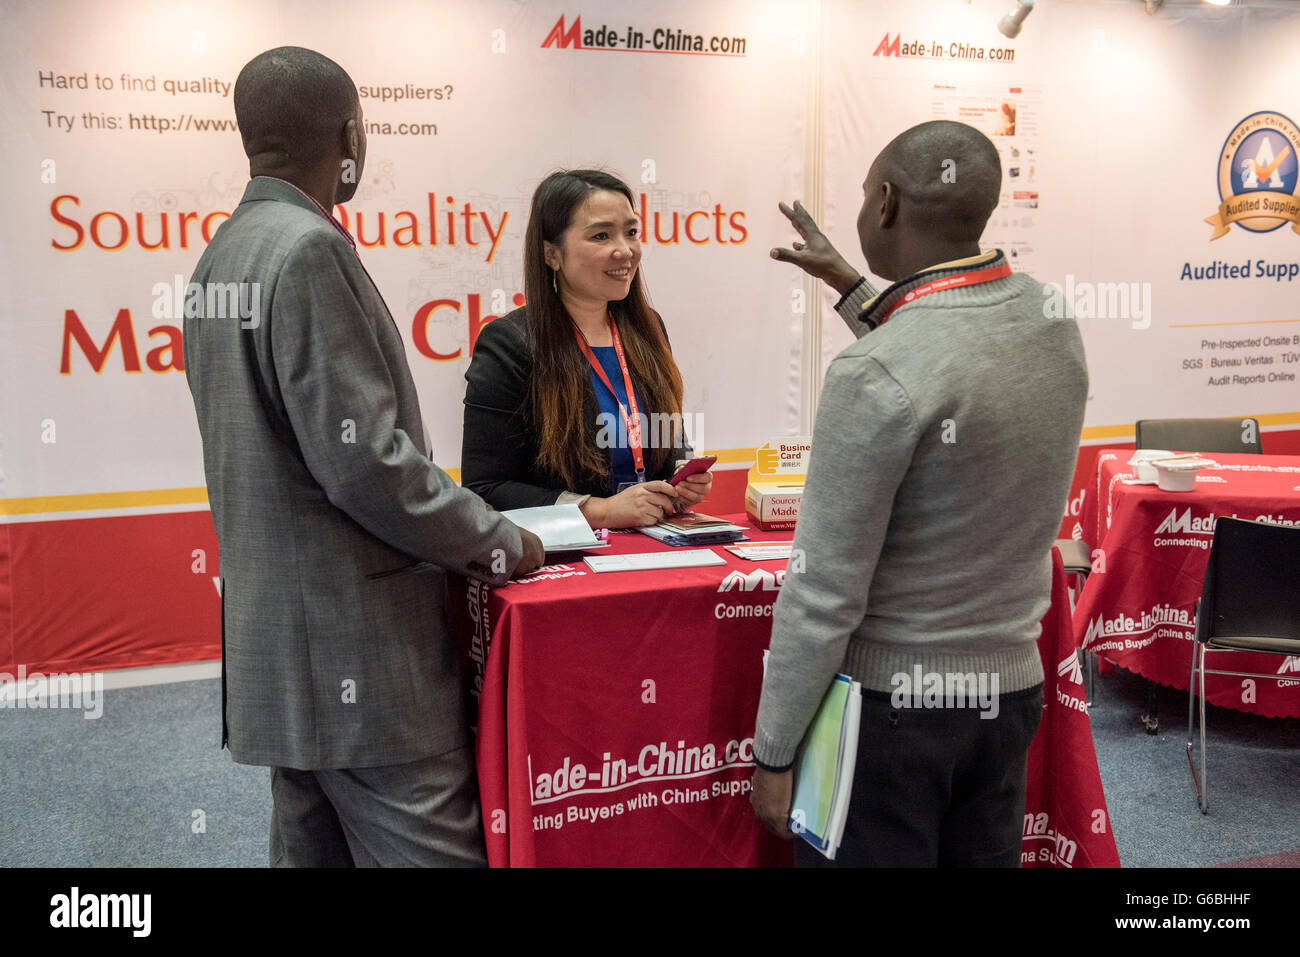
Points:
x=823 y=778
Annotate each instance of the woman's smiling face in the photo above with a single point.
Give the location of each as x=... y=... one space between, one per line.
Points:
x=599 y=253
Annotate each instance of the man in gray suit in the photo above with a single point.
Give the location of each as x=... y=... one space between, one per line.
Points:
x=335 y=527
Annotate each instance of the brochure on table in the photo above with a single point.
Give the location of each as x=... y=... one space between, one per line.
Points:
x=694 y=529
x=562 y=528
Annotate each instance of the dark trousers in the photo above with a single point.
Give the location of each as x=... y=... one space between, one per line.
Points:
x=421 y=814
x=937 y=787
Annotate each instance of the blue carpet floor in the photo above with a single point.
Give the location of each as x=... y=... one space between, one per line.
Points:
x=123 y=790
x=1254 y=780
x=126 y=789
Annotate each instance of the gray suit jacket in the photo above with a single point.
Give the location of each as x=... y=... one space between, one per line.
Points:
x=335 y=527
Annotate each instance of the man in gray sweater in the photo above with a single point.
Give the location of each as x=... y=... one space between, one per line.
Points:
x=943 y=448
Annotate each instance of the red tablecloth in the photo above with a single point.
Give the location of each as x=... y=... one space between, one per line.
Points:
x=616 y=718
x=1150 y=549
x=1067 y=823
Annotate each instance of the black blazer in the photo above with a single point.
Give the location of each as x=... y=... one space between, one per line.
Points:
x=500 y=445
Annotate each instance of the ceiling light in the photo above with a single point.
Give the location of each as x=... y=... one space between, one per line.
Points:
x=1010 y=24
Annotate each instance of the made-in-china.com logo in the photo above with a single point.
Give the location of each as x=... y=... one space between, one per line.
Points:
x=1259 y=171
x=744 y=604
x=1186 y=523
x=760 y=579
x=1069 y=669
x=661 y=39
x=915 y=48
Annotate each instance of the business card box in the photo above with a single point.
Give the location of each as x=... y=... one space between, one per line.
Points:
x=773 y=506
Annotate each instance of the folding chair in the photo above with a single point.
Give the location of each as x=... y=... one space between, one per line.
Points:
x=1077 y=561
x=1199 y=435
x=1249 y=602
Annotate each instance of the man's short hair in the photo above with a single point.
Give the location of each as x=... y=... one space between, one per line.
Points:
x=290 y=104
x=949 y=173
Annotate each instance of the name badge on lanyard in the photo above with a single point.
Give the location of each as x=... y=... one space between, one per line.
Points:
x=972 y=278
x=632 y=422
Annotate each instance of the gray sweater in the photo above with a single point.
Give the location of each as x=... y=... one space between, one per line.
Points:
x=942 y=454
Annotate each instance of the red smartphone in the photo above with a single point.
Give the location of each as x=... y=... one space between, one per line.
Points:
x=701 y=463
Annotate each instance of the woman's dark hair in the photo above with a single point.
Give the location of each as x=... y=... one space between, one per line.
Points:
x=560 y=370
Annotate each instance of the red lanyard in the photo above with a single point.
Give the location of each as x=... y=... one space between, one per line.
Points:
x=949 y=282
x=631 y=423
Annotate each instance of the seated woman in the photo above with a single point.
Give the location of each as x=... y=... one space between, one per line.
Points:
x=575 y=397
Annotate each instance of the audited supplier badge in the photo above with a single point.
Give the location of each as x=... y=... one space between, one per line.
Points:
x=1259 y=172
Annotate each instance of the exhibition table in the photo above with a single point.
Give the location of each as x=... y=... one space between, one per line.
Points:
x=1150 y=548
x=616 y=717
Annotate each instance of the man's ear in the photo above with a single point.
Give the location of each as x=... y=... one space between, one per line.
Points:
x=352 y=145
x=889 y=197
x=351 y=140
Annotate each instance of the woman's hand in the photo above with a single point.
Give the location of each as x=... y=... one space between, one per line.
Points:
x=642 y=504
x=693 y=490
